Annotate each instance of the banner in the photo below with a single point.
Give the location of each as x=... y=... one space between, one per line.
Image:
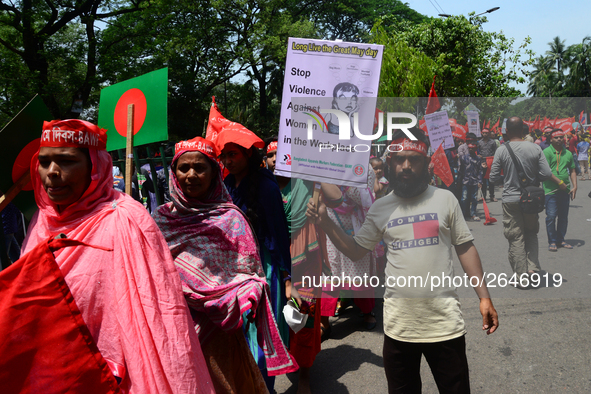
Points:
x=473 y=122
x=149 y=94
x=329 y=91
x=439 y=130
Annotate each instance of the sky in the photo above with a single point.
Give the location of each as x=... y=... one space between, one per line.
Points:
x=541 y=20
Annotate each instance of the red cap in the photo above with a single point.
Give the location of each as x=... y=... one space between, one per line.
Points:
x=73 y=133
x=198 y=144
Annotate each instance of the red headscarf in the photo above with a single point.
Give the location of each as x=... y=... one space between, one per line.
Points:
x=78 y=134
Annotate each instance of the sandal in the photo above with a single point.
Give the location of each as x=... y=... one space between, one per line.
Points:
x=342 y=304
x=566 y=246
x=552 y=247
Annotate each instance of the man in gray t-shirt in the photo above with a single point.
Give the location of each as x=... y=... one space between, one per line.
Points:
x=487 y=148
x=520 y=229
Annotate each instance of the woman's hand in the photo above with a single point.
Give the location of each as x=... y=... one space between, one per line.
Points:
x=290 y=291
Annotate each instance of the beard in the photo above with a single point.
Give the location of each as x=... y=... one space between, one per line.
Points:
x=413 y=187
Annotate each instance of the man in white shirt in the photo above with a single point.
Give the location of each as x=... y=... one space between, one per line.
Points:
x=419 y=224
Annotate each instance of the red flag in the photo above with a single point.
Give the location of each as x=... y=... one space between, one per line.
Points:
x=423 y=126
x=487 y=218
x=433 y=103
x=222 y=131
x=581 y=116
x=494 y=128
x=537 y=123
x=489 y=161
x=46 y=346
x=376 y=119
x=457 y=130
x=216 y=122
x=441 y=166
x=555 y=120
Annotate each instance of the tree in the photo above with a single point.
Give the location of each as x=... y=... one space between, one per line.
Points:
x=578 y=60
x=352 y=20
x=468 y=61
x=197 y=43
x=406 y=71
x=57 y=43
x=564 y=71
x=556 y=53
x=544 y=80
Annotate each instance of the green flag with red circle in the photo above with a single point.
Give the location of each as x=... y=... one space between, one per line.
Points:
x=149 y=94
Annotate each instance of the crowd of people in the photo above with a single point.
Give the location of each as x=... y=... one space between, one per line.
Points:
x=189 y=296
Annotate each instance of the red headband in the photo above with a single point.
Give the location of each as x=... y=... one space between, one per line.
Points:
x=406 y=144
x=198 y=144
x=272 y=146
x=73 y=133
x=556 y=133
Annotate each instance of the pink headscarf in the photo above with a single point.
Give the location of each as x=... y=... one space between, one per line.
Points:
x=217 y=257
x=129 y=295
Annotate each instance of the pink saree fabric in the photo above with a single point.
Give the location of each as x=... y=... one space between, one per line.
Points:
x=130 y=297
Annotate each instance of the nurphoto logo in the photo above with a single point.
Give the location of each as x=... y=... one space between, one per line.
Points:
x=350 y=122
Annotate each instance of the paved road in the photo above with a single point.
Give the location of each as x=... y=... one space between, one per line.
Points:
x=542 y=345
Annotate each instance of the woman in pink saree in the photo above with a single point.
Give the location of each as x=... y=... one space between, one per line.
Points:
x=125 y=285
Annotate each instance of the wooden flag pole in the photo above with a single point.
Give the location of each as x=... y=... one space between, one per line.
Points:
x=15 y=189
x=129 y=150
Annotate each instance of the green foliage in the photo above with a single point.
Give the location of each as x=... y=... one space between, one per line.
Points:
x=51 y=47
x=564 y=71
x=469 y=61
x=352 y=20
x=406 y=71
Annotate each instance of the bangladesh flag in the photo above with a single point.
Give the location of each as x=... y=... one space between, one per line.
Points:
x=149 y=94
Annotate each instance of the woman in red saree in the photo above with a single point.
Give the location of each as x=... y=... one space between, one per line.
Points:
x=126 y=286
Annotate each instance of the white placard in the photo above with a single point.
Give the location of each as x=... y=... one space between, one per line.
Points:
x=439 y=130
x=327 y=75
x=473 y=122
x=504 y=128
